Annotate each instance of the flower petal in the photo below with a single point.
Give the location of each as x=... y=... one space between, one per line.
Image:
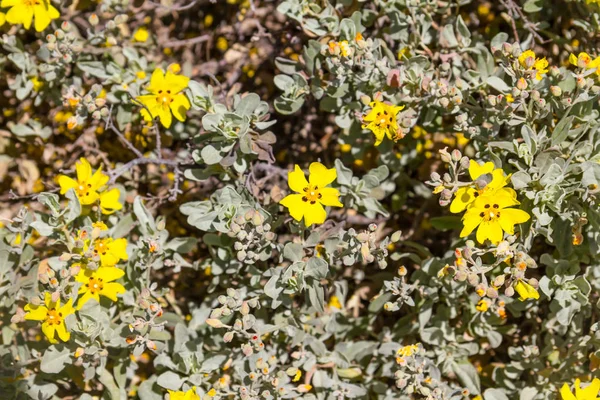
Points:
x=42 y=16
x=111 y=290
x=314 y=214
x=109 y=274
x=463 y=197
x=49 y=332
x=20 y=14
x=86 y=297
x=179 y=106
x=165 y=116
x=176 y=83
x=109 y=201
x=157 y=81
x=470 y=220
x=119 y=248
x=35 y=313
x=295 y=205
x=320 y=175
x=66 y=183
x=62 y=332
x=490 y=230
x=330 y=197
x=296 y=180
x=476 y=170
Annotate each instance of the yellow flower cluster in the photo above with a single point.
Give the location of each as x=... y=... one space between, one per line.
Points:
x=488 y=207
x=588 y=393
x=530 y=62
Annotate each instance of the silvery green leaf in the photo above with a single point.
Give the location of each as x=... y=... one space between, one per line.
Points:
x=448 y=38
x=316 y=294
x=468 y=376
x=170 y=380
x=145 y=218
x=55 y=358
x=293 y=252
x=494 y=394
x=498 y=84
x=213 y=363
x=562 y=129
x=317 y=268
x=463 y=31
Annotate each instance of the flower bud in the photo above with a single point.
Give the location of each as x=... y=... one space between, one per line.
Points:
x=556 y=91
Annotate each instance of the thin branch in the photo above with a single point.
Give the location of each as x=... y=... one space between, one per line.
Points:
x=187 y=42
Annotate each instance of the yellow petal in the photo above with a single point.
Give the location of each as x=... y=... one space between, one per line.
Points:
x=490 y=230
x=463 y=197
x=42 y=17
x=109 y=274
x=49 y=330
x=295 y=205
x=176 y=83
x=314 y=214
x=86 y=297
x=165 y=116
x=509 y=217
x=330 y=197
x=526 y=291
x=470 y=220
x=62 y=332
x=179 y=106
x=35 y=313
x=84 y=170
x=296 y=180
x=66 y=183
x=111 y=290
x=476 y=170
x=109 y=201
x=320 y=175
x=572 y=60
x=20 y=14
x=157 y=81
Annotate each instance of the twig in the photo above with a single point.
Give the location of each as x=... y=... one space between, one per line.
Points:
x=109 y=125
x=187 y=42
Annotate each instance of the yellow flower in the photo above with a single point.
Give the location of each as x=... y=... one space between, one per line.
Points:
x=110 y=251
x=491 y=214
x=382 y=121
x=297 y=376
x=165 y=97
x=408 y=351
x=87 y=184
x=100 y=225
x=526 y=291
x=583 y=60
x=179 y=395
x=141 y=35
x=53 y=316
x=540 y=65
x=2 y=18
x=37 y=83
x=90 y=187
x=334 y=302
x=589 y=393
x=312 y=195
x=222 y=43
x=344 y=48
x=23 y=11
x=482 y=305
x=465 y=196
x=99 y=282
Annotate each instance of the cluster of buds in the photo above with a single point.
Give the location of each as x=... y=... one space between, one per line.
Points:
x=343 y=52
x=446 y=95
x=140 y=327
x=243 y=326
x=447 y=184
x=365 y=243
x=91 y=356
x=400 y=288
x=63 y=45
x=85 y=105
x=254 y=237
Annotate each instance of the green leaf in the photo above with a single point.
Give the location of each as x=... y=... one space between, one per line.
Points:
x=562 y=129
x=446 y=223
x=54 y=359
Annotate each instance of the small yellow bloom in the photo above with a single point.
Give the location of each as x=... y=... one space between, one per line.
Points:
x=99 y=282
x=53 y=316
x=165 y=97
x=212 y=392
x=100 y=225
x=311 y=195
x=439 y=189
x=304 y=388
x=482 y=305
x=189 y=395
x=140 y=75
x=358 y=37
x=24 y=11
x=297 y=376
x=334 y=302
x=208 y=20
x=526 y=291
x=90 y=187
x=588 y=393
x=222 y=44
x=174 y=68
x=141 y=35
x=37 y=83
x=408 y=351
x=584 y=60
x=540 y=65
x=491 y=213
x=381 y=120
